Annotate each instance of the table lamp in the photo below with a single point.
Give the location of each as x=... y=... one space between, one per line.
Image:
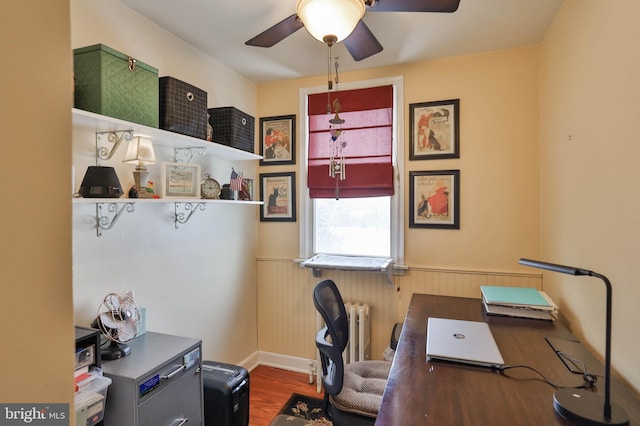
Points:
x=140 y=152
x=581 y=405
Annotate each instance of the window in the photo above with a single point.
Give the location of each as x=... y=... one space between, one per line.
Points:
x=365 y=226
x=352 y=226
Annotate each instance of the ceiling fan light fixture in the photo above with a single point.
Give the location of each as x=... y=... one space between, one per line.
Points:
x=330 y=20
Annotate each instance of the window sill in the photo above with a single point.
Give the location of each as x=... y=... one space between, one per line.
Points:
x=383 y=265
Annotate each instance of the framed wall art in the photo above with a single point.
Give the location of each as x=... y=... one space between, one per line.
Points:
x=180 y=180
x=278 y=140
x=434 y=199
x=434 y=130
x=278 y=194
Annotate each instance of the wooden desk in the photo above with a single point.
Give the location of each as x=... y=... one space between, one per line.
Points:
x=439 y=393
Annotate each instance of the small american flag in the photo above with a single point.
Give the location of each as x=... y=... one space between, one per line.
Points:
x=236 y=181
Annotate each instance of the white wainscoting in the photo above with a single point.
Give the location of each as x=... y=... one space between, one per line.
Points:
x=287 y=318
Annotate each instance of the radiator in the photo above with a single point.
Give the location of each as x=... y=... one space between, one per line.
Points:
x=359 y=344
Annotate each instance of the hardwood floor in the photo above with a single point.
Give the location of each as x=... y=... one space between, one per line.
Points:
x=270 y=388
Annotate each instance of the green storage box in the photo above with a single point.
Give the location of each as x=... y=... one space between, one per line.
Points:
x=111 y=83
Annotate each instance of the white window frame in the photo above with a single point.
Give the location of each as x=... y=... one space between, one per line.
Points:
x=397 y=200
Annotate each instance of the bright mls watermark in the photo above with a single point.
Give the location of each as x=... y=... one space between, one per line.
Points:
x=36 y=414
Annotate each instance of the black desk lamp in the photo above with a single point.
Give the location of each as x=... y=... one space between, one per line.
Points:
x=582 y=405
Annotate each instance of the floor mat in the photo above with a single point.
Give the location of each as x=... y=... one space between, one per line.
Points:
x=301 y=410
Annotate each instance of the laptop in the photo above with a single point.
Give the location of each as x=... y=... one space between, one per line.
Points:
x=468 y=342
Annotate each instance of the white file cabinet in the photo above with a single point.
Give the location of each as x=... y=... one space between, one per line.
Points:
x=158 y=384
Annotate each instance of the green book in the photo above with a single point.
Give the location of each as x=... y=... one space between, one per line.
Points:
x=524 y=297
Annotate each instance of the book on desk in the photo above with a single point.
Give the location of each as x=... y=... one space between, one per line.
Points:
x=520 y=302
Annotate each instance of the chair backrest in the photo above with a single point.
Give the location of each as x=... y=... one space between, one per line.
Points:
x=332 y=339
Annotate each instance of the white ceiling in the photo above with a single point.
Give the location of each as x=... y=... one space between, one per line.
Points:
x=220 y=28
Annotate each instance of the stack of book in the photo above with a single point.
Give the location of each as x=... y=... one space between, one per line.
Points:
x=521 y=302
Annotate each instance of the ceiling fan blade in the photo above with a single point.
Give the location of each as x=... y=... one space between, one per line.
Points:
x=446 y=6
x=277 y=33
x=362 y=43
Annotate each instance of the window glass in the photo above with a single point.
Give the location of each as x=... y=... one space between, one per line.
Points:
x=353 y=226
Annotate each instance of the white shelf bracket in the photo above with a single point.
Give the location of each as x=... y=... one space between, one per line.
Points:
x=184 y=211
x=185 y=155
x=107 y=214
x=107 y=143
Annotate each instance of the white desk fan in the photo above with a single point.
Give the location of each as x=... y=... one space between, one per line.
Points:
x=119 y=320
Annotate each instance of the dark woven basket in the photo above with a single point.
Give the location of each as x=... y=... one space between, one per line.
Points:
x=183 y=108
x=232 y=127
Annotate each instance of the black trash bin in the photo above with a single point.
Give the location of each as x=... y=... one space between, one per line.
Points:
x=226 y=394
x=395 y=335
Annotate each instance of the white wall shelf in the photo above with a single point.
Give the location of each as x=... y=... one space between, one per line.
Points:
x=108 y=210
x=112 y=131
x=99 y=123
x=159 y=201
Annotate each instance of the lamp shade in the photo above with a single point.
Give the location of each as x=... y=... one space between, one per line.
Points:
x=100 y=182
x=140 y=151
x=326 y=19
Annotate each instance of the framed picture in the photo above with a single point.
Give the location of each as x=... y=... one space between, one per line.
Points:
x=434 y=199
x=278 y=140
x=246 y=193
x=180 y=180
x=278 y=194
x=435 y=130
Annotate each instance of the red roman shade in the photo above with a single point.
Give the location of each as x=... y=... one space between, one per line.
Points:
x=368 y=115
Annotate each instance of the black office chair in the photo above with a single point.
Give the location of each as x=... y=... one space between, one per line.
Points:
x=352 y=392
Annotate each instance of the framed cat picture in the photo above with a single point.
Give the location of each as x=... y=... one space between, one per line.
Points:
x=435 y=130
x=278 y=140
x=278 y=194
x=434 y=199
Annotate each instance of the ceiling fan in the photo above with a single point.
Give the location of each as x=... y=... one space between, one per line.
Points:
x=332 y=21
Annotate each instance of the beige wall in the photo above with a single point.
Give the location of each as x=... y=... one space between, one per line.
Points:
x=36 y=359
x=527 y=190
x=589 y=170
x=499 y=221
x=498 y=162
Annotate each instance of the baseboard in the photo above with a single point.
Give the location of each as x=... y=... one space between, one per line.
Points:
x=286 y=362
x=251 y=362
